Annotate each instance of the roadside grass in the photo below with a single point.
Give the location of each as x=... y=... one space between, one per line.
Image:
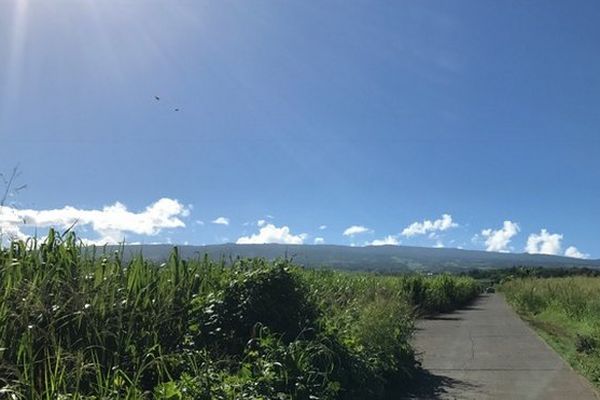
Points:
x=78 y=323
x=566 y=314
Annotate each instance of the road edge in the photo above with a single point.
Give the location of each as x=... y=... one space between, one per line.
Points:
x=532 y=328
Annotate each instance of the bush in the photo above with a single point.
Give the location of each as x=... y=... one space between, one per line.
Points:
x=585 y=343
x=383 y=330
x=258 y=294
x=444 y=293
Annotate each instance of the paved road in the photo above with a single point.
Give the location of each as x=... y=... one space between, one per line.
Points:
x=486 y=351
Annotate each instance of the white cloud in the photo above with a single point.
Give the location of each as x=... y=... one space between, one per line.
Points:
x=271 y=234
x=355 y=230
x=388 y=240
x=544 y=243
x=199 y=222
x=221 y=221
x=110 y=222
x=104 y=240
x=427 y=226
x=261 y=222
x=322 y=227
x=572 y=251
x=10 y=230
x=498 y=240
x=319 y=240
x=439 y=245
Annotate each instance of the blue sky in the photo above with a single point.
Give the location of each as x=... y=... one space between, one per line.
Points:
x=305 y=114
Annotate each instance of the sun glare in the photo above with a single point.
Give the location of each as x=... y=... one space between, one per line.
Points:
x=18 y=34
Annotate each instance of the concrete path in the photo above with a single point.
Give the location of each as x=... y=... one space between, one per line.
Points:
x=486 y=351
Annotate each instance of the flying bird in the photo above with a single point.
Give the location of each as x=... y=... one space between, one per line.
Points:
x=157 y=98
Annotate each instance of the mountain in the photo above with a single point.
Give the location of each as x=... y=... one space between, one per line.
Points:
x=378 y=258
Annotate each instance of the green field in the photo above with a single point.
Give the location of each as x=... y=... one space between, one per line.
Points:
x=76 y=323
x=566 y=313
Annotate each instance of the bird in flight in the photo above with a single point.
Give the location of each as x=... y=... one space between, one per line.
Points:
x=157 y=98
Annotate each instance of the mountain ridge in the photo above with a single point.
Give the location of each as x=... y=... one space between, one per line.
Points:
x=389 y=258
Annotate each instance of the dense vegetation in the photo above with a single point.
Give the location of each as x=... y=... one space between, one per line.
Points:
x=76 y=323
x=566 y=312
x=498 y=275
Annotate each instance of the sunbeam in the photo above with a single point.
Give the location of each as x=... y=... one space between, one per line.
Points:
x=9 y=92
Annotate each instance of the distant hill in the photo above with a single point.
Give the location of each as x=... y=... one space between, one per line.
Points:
x=377 y=258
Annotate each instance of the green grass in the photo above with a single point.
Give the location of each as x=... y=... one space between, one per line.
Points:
x=76 y=323
x=566 y=313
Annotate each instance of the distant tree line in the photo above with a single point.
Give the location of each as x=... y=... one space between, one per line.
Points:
x=498 y=275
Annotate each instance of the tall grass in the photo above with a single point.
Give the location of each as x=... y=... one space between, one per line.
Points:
x=78 y=323
x=577 y=298
x=567 y=313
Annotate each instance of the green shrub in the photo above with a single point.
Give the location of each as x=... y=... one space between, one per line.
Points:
x=585 y=343
x=383 y=330
x=444 y=293
x=258 y=294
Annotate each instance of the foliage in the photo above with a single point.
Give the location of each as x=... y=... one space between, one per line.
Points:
x=79 y=323
x=566 y=311
x=494 y=276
